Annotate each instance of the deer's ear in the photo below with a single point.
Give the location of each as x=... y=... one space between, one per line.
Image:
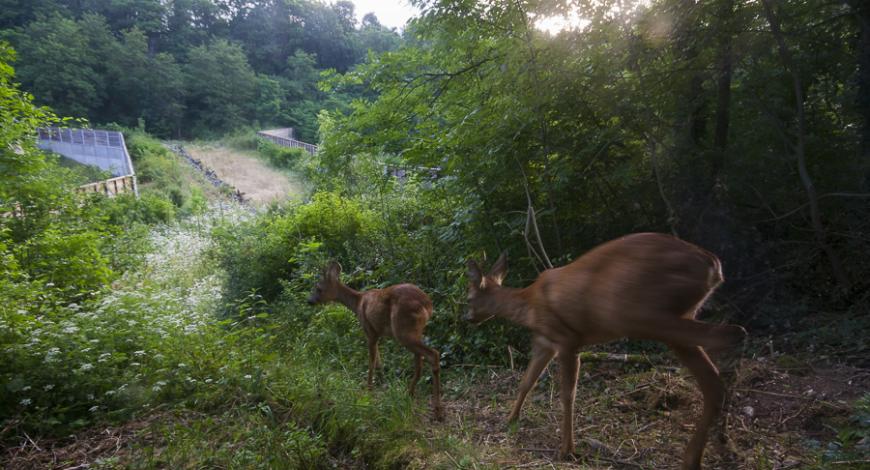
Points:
x=474 y=276
x=333 y=270
x=499 y=269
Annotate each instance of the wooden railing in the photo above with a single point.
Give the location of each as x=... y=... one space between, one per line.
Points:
x=286 y=142
x=111 y=187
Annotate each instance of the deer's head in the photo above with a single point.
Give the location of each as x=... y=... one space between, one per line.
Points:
x=326 y=289
x=482 y=287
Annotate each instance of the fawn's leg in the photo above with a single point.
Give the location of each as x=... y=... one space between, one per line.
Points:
x=434 y=358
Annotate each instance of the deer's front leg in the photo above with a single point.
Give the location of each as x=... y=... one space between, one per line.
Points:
x=542 y=354
x=570 y=366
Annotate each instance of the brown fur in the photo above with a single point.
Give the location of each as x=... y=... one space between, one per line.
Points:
x=400 y=311
x=645 y=286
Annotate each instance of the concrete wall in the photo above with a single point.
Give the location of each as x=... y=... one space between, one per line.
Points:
x=103 y=149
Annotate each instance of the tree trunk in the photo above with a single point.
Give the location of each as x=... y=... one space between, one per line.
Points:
x=862 y=13
x=800 y=149
x=723 y=92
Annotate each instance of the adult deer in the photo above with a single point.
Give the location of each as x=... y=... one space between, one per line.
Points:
x=400 y=311
x=645 y=286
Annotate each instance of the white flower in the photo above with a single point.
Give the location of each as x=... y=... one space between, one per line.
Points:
x=48 y=387
x=247 y=376
x=86 y=367
x=93 y=408
x=25 y=401
x=139 y=353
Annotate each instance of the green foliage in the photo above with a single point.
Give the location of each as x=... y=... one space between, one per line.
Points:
x=54 y=237
x=611 y=128
x=61 y=65
x=188 y=68
x=157 y=168
x=242 y=139
x=217 y=106
x=280 y=387
x=258 y=442
x=280 y=156
x=853 y=436
x=149 y=209
x=290 y=243
x=382 y=233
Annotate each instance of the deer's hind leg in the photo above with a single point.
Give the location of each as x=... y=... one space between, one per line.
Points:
x=420 y=350
x=418 y=366
x=374 y=358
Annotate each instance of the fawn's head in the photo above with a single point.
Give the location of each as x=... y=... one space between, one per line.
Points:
x=326 y=289
x=481 y=288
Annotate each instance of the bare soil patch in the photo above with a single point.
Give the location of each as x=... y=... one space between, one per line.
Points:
x=259 y=183
x=626 y=417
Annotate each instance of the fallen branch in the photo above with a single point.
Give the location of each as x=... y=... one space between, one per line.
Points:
x=611 y=357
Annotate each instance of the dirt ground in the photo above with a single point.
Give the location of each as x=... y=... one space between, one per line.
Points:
x=643 y=419
x=258 y=182
x=627 y=416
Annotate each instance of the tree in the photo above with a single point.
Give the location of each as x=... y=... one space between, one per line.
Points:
x=269 y=31
x=217 y=106
x=61 y=64
x=327 y=36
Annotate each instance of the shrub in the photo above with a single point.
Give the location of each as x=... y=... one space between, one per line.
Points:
x=242 y=139
x=280 y=156
x=158 y=170
x=149 y=208
x=293 y=243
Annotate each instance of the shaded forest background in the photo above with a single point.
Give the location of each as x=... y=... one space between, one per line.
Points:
x=741 y=126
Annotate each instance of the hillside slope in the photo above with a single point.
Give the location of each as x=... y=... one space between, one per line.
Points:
x=259 y=183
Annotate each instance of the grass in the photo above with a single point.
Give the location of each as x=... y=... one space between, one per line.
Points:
x=185 y=387
x=243 y=169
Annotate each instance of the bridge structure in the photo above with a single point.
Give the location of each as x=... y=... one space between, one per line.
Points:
x=103 y=149
x=285 y=138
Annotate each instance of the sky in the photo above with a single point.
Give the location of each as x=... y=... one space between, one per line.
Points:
x=391 y=13
x=395 y=13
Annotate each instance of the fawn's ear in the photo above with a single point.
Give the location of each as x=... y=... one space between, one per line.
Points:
x=499 y=269
x=333 y=270
x=474 y=276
